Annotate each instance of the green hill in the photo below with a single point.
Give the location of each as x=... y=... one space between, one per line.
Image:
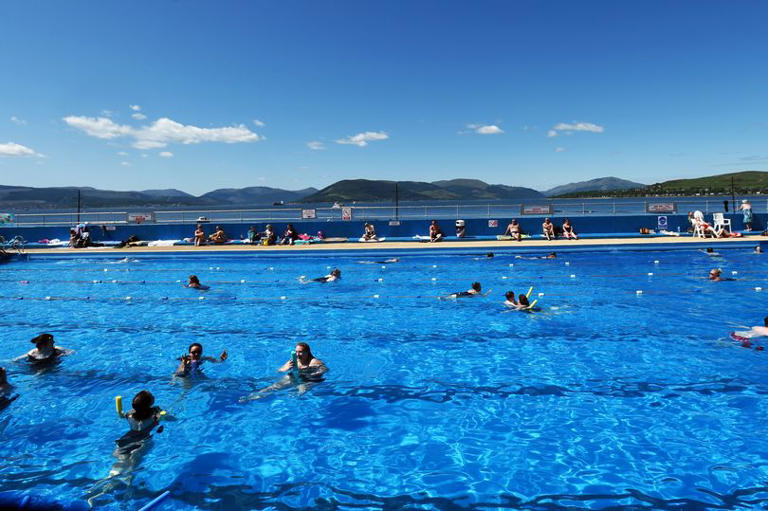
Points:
x=349 y=190
x=746 y=182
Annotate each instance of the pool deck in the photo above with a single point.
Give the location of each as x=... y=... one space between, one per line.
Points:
x=528 y=245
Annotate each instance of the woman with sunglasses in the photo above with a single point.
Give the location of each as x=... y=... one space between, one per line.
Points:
x=192 y=362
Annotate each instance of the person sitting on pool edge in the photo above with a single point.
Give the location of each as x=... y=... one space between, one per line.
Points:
x=199 y=235
x=219 y=236
x=513 y=230
x=369 y=234
x=310 y=367
x=568 y=231
x=289 y=236
x=192 y=363
x=194 y=283
x=45 y=351
x=253 y=235
x=268 y=237
x=435 y=233
x=548 y=229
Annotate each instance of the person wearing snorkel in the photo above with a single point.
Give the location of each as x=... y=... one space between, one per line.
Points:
x=308 y=365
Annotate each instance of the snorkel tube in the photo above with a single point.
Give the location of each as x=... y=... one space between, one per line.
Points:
x=295 y=360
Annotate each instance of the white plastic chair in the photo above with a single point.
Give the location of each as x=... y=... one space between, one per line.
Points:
x=719 y=221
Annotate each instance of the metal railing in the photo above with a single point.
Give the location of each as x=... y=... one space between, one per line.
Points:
x=404 y=211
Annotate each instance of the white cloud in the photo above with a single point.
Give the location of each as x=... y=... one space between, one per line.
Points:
x=482 y=129
x=259 y=123
x=559 y=149
x=16 y=120
x=166 y=154
x=362 y=139
x=106 y=113
x=99 y=127
x=12 y=149
x=570 y=128
x=139 y=116
x=162 y=132
x=122 y=153
x=316 y=146
x=491 y=129
x=125 y=164
x=135 y=108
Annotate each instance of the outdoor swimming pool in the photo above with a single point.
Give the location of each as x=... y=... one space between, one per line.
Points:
x=605 y=398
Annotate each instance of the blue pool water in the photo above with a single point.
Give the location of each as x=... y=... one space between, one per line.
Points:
x=605 y=399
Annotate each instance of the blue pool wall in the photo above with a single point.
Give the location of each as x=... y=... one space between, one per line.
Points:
x=354 y=228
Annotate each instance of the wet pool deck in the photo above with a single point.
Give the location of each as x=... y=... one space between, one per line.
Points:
x=528 y=245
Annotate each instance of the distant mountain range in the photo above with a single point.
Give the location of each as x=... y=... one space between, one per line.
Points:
x=19 y=198
x=13 y=198
x=456 y=189
x=602 y=184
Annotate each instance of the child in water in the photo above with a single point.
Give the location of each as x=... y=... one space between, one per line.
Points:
x=192 y=362
x=144 y=415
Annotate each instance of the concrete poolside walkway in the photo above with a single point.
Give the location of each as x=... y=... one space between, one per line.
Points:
x=525 y=245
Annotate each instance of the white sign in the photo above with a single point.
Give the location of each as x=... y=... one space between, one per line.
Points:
x=493 y=223
x=536 y=210
x=662 y=223
x=139 y=217
x=661 y=207
x=346 y=213
x=308 y=214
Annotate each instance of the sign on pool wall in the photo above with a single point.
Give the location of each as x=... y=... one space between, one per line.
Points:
x=662 y=223
x=661 y=207
x=139 y=218
x=536 y=209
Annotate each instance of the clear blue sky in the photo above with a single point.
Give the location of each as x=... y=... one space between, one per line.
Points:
x=292 y=94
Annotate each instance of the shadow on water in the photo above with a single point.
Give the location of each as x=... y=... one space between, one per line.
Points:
x=306 y=496
x=604 y=388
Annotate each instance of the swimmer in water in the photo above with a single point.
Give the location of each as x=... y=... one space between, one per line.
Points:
x=310 y=367
x=475 y=290
x=192 y=363
x=385 y=261
x=551 y=255
x=194 y=283
x=144 y=416
x=758 y=249
x=510 y=299
x=755 y=331
x=489 y=255
x=331 y=277
x=45 y=351
x=5 y=387
x=710 y=252
x=715 y=274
